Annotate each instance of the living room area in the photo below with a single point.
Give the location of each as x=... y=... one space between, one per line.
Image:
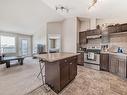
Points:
x=17 y=66
x=23 y=27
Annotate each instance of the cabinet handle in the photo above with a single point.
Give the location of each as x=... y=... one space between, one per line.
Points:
x=65 y=60
x=70 y=63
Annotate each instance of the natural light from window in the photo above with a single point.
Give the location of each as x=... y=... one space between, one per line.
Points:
x=8 y=44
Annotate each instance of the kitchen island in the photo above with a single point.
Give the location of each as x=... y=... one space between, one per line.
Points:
x=60 y=69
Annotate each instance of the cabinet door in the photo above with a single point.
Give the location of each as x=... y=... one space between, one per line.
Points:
x=93 y=32
x=124 y=27
x=64 y=73
x=112 y=29
x=73 y=68
x=81 y=59
x=113 y=64
x=122 y=67
x=104 y=62
x=82 y=38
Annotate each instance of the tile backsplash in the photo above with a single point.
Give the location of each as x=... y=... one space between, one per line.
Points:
x=118 y=41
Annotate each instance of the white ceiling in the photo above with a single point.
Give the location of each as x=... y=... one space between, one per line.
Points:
x=28 y=16
x=25 y=16
x=103 y=9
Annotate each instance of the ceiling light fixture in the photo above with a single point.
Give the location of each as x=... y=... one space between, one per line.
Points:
x=62 y=9
x=93 y=4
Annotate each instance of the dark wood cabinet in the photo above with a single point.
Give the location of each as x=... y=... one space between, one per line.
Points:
x=93 y=32
x=104 y=62
x=60 y=73
x=124 y=27
x=82 y=39
x=81 y=58
x=112 y=29
x=118 y=65
x=64 y=73
x=113 y=64
x=122 y=67
x=118 y=28
x=72 y=69
x=83 y=36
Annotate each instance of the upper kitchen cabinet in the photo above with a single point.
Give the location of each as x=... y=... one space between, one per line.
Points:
x=114 y=28
x=111 y=29
x=124 y=27
x=118 y=28
x=93 y=32
x=82 y=39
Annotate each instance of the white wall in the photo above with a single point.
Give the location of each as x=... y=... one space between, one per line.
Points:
x=85 y=25
x=69 y=35
x=40 y=37
x=54 y=27
x=27 y=17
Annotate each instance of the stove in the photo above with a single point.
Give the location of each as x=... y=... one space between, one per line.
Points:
x=92 y=56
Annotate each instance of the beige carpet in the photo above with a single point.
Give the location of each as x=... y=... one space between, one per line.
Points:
x=91 y=82
x=19 y=80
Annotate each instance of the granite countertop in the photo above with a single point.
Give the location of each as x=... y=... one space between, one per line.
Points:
x=115 y=53
x=51 y=57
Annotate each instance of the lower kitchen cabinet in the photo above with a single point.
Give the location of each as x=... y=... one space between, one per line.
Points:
x=64 y=73
x=81 y=58
x=122 y=67
x=72 y=69
x=118 y=65
x=114 y=63
x=104 y=61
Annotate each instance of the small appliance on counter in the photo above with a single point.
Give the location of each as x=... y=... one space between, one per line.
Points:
x=104 y=48
x=120 y=50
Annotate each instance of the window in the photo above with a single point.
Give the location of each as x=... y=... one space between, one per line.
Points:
x=8 y=44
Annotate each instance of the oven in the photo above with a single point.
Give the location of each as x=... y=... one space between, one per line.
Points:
x=92 y=58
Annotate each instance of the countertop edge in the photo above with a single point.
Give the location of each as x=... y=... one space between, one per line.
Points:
x=44 y=59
